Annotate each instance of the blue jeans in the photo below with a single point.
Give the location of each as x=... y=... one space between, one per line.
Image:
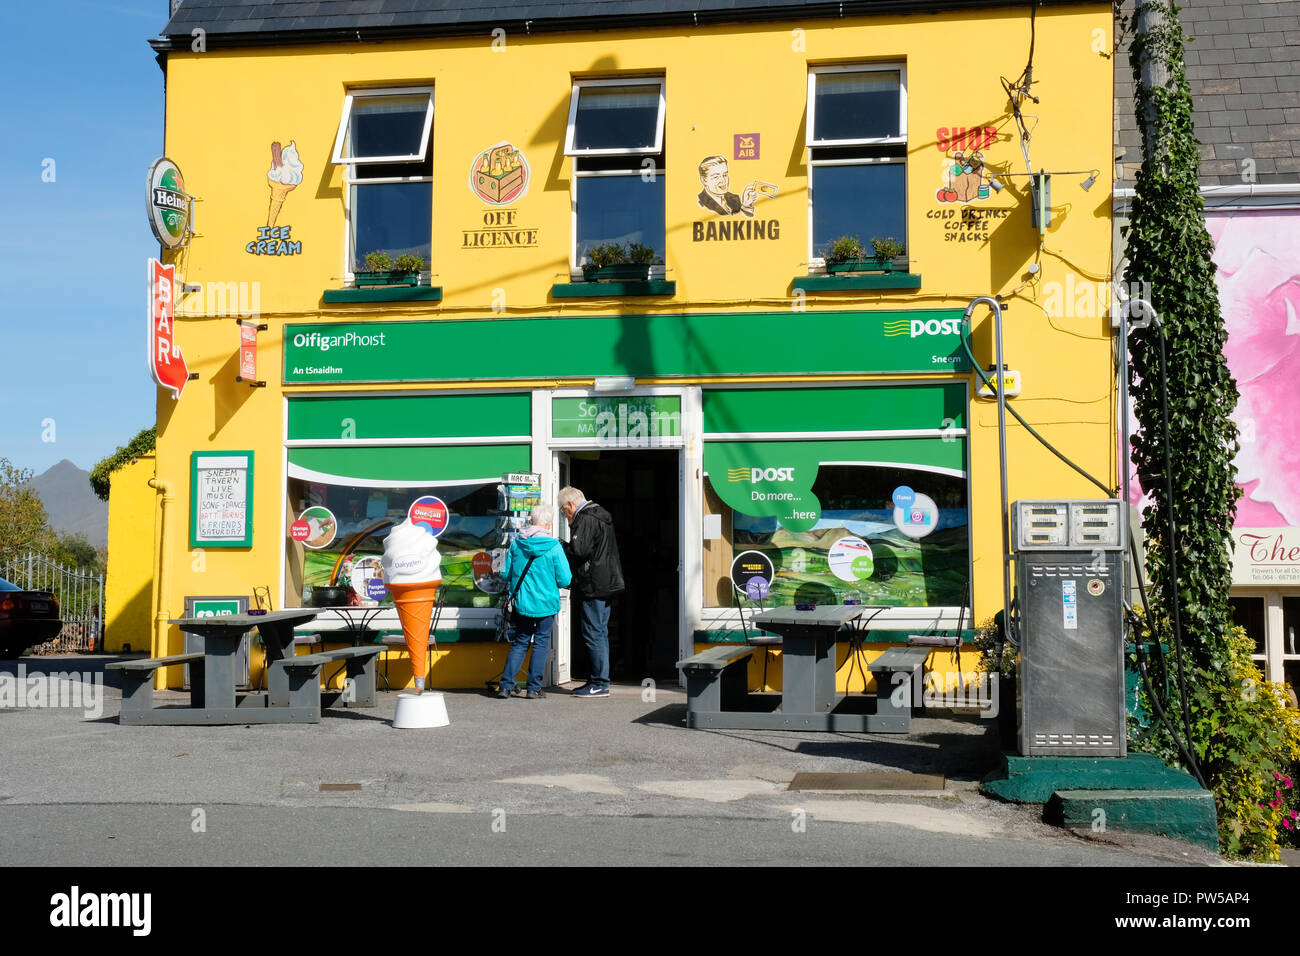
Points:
x=523 y=630
x=594 y=614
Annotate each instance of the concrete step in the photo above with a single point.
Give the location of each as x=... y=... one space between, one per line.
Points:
x=1034 y=779
x=1187 y=815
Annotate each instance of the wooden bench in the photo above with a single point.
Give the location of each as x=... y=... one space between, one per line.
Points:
x=294 y=682
x=716 y=679
x=137 y=682
x=895 y=696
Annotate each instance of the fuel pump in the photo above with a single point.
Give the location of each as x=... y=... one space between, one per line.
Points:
x=1070 y=600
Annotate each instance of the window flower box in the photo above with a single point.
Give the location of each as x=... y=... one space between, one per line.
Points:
x=381 y=277
x=621 y=272
x=851 y=266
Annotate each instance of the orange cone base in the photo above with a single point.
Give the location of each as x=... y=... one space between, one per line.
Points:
x=414 y=604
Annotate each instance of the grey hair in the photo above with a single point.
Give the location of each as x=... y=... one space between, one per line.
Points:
x=569 y=495
x=543 y=516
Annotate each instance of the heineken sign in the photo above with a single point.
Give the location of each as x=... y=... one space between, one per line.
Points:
x=168 y=204
x=719 y=344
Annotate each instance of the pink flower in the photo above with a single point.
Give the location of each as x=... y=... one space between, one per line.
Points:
x=1288 y=824
x=1275 y=804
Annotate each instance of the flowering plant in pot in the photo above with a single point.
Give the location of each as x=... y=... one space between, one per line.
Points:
x=615 y=261
x=382 y=269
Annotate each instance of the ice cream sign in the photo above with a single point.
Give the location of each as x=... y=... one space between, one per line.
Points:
x=284 y=176
x=169 y=204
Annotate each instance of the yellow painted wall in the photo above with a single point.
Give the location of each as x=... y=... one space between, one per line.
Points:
x=129 y=580
x=224 y=108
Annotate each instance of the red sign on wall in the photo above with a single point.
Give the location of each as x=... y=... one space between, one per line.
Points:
x=247 y=352
x=165 y=358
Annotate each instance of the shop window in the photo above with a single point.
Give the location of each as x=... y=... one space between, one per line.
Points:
x=383 y=145
x=856 y=501
x=857 y=143
x=348 y=524
x=616 y=139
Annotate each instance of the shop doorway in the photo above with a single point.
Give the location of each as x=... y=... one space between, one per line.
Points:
x=641 y=490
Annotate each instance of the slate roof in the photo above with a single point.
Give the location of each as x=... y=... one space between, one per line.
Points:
x=1244 y=69
x=255 y=22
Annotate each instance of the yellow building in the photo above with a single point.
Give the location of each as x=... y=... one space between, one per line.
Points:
x=744 y=391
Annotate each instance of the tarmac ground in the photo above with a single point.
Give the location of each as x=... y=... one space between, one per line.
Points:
x=558 y=781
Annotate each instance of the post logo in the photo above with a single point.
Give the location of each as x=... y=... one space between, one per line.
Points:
x=755 y=475
x=934 y=327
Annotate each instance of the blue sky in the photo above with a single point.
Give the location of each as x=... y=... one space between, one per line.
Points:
x=84 y=91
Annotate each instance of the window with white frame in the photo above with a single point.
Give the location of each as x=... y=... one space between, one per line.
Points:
x=383 y=145
x=857 y=146
x=616 y=139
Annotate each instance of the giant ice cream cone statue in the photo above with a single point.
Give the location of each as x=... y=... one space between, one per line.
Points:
x=284 y=176
x=412 y=571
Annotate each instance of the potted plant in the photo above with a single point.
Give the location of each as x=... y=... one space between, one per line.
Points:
x=886 y=252
x=1001 y=660
x=382 y=269
x=614 y=261
x=847 y=254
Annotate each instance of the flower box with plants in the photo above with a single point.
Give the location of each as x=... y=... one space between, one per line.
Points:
x=615 y=262
x=846 y=255
x=383 y=270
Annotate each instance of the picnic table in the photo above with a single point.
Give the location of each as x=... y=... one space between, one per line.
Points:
x=717 y=689
x=293 y=683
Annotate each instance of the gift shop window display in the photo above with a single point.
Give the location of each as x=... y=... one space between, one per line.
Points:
x=347 y=525
x=859 y=550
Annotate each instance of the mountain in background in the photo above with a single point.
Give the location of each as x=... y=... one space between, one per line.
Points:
x=70 y=503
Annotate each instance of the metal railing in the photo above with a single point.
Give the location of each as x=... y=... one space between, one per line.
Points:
x=80 y=595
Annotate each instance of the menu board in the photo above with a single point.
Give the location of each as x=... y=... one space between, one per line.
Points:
x=221 y=499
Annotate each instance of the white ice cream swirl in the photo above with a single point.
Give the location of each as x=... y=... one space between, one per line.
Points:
x=289 y=171
x=411 y=555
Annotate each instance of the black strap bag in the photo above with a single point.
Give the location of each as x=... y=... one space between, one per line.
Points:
x=507 y=607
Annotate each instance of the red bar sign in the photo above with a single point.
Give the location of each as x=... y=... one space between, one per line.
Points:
x=165 y=358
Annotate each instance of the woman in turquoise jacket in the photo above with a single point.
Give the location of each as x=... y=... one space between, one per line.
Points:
x=537 y=598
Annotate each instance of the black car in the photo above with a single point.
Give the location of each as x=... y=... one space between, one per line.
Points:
x=26 y=618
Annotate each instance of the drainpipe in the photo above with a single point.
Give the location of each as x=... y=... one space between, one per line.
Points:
x=158 y=638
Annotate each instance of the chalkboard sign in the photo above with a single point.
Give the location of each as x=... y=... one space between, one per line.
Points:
x=221 y=499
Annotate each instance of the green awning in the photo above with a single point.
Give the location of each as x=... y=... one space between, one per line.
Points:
x=408 y=466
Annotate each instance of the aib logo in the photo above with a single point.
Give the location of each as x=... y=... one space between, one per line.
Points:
x=755 y=475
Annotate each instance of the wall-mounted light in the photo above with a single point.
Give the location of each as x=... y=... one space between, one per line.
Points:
x=1087 y=183
x=614 y=383
x=997 y=186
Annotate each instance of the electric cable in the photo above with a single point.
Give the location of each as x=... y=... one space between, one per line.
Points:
x=1029 y=428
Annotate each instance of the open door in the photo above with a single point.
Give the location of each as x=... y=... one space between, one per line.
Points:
x=560 y=656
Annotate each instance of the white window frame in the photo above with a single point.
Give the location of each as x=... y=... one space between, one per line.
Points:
x=816 y=71
x=579 y=85
x=575 y=269
x=341 y=137
x=816 y=261
x=351 y=179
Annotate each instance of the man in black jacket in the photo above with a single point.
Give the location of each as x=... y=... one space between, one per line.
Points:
x=597 y=577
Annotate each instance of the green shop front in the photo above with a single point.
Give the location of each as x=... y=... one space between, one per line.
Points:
x=829 y=448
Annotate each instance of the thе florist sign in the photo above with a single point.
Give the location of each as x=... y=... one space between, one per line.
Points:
x=1266 y=556
x=753 y=343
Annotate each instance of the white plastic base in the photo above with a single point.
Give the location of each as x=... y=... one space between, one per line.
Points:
x=421 y=710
